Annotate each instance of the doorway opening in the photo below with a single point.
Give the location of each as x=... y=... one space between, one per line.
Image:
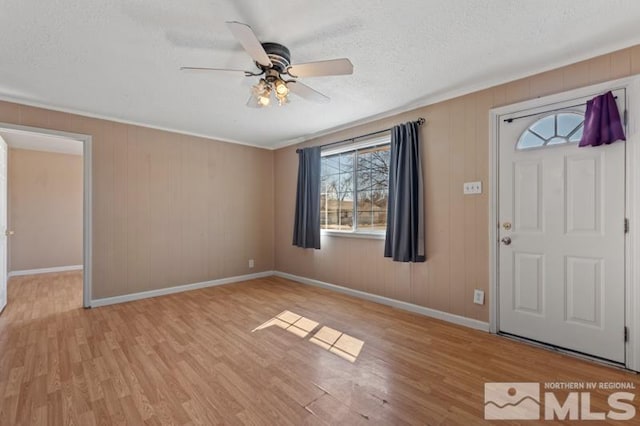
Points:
x=45 y=223
x=564 y=268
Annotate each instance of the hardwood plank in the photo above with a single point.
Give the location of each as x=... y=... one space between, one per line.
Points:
x=191 y=358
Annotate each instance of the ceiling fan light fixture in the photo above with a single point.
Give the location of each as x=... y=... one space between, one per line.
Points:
x=264 y=98
x=282 y=100
x=281 y=92
x=264 y=101
x=268 y=92
x=281 y=88
x=261 y=92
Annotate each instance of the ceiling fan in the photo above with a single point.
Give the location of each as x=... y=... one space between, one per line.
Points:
x=278 y=77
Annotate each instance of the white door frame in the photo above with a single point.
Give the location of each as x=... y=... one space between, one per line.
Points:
x=87 y=226
x=632 y=240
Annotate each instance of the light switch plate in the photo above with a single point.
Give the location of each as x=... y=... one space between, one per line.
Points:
x=478 y=297
x=472 y=188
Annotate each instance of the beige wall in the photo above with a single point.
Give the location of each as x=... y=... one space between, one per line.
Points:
x=44 y=209
x=455 y=144
x=168 y=209
x=171 y=209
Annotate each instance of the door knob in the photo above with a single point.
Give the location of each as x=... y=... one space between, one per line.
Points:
x=506 y=241
x=8 y=233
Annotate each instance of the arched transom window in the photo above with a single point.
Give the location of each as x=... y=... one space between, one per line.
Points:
x=555 y=129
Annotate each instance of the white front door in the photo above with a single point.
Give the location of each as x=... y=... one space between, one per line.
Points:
x=562 y=232
x=3 y=223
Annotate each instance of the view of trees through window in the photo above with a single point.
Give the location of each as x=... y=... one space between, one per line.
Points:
x=354 y=191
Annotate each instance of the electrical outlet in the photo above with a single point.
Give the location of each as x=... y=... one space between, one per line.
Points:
x=472 y=188
x=251 y=264
x=478 y=297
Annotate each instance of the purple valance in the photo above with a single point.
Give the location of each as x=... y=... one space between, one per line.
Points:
x=602 y=124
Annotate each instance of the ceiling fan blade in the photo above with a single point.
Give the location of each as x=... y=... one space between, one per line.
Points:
x=341 y=66
x=307 y=92
x=244 y=34
x=208 y=70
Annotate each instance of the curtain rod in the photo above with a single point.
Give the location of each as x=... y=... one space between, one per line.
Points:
x=420 y=122
x=510 y=120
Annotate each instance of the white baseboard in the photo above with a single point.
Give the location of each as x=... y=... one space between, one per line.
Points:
x=177 y=289
x=434 y=313
x=44 y=270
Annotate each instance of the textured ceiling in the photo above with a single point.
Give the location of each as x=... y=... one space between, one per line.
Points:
x=120 y=58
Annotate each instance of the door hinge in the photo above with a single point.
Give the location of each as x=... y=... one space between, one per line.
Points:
x=626 y=225
x=625 y=117
x=626 y=334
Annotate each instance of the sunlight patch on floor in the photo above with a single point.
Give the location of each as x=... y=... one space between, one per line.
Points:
x=292 y=322
x=341 y=344
x=337 y=342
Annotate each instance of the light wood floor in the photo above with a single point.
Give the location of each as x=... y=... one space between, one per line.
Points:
x=191 y=358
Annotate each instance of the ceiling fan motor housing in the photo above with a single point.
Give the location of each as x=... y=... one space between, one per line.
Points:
x=279 y=55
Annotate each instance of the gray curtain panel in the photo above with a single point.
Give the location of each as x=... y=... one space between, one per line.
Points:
x=404 y=241
x=306 y=229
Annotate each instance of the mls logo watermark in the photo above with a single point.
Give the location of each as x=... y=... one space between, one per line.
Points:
x=522 y=401
x=508 y=401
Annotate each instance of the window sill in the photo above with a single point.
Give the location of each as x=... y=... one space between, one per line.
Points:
x=351 y=234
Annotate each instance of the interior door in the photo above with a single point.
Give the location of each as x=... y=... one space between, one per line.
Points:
x=562 y=232
x=3 y=223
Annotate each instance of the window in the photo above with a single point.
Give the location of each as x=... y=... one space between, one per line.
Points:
x=556 y=129
x=355 y=188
